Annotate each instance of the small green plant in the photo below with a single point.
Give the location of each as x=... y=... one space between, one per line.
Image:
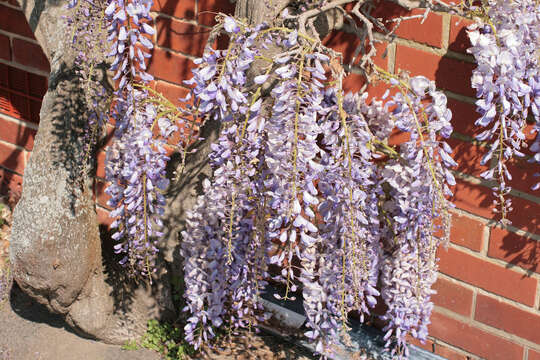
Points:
x=166 y=339
x=130 y=345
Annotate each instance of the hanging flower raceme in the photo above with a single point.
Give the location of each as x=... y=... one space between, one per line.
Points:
x=343 y=272
x=129 y=33
x=135 y=167
x=417 y=186
x=225 y=244
x=507 y=82
x=136 y=161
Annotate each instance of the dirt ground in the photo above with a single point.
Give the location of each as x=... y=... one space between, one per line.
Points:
x=29 y=332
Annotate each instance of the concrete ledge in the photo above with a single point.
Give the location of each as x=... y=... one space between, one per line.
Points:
x=363 y=338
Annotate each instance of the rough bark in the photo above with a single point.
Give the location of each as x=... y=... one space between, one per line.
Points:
x=56 y=250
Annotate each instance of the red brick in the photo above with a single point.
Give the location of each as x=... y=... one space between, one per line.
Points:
x=381 y=57
x=476 y=199
x=427 y=345
x=490 y=277
x=417 y=62
x=449 y=74
x=17 y=133
x=523 y=172
x=472 y=339
x=468 y=157
x=346 y=44
x=354 y=82
x=100 y=164
x=11 y=2
x=103 y=216
x=208 y=9
x=169 y=66
x=459 y=40
x=13 y=105
x=525 y=215
x=169 y=150
x=4 y=69
x=511 y=319
x=35 y=108
x=430 y=32
x=184 y=9
x=386 y=11
x=30 y=54
x=14 y=21
x=20 y=107
x=109 y=134
x=5 y=48
x=12 y=158
x=464 y=116
x=343 y=42
x=466 y=232
x=171 y=92
x=515 y=249
x=398 y=137
x=534 y=355
x=448 y=353
x=181 y=36
x=455 y=75
x=452 y=296
x=10 y=183
x=37 y=85
x=17 y=79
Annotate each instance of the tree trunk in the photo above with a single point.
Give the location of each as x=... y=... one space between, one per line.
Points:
x=56 y=251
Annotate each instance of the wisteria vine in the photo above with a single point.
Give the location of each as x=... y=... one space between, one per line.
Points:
x=300 y=175
x=303 y=176
x=505 y=41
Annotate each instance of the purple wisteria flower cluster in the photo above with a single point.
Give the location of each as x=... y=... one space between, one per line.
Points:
x=301 y=176
x=507 y=81
x=419 y=184
x=136 y=161
x=135 y=165
x=135 y=183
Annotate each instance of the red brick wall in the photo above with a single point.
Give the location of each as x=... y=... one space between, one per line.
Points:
x=23 y=82
x=488 y=298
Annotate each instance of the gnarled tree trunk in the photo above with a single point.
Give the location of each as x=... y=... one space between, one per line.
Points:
x=56 y=250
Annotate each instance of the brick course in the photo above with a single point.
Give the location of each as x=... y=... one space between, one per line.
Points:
x=491 y=277
x=512 y=319
x=472 y=339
